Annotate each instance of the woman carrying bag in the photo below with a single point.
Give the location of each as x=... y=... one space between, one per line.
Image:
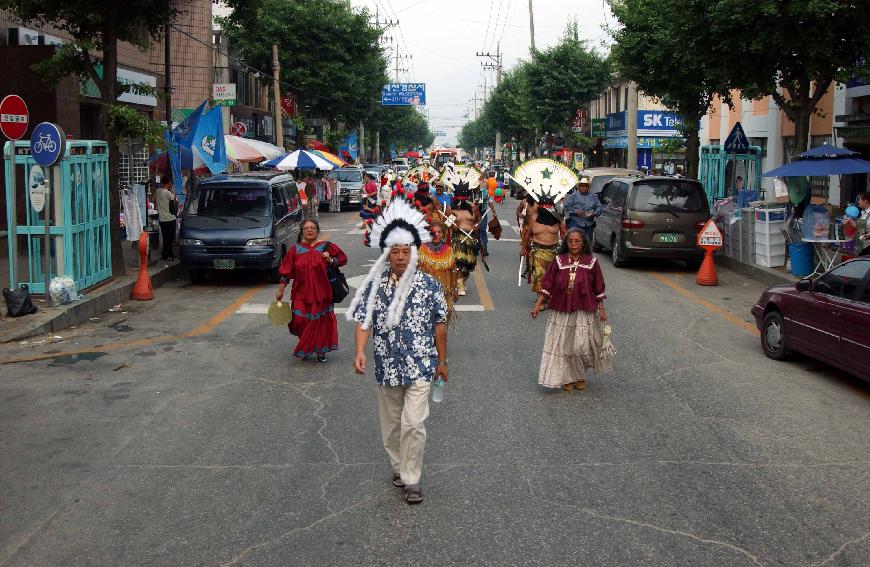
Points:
x=575 y=342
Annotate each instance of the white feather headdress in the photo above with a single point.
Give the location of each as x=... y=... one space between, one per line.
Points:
x=399 y=225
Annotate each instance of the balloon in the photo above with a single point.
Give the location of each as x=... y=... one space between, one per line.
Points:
x=491 y=191
x=491 y=183
x=499 y=192
x=499 y=199
x=500 y=185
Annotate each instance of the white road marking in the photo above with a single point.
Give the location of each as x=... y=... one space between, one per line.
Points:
x=356 y=230
x=263 y=308
x=508 y=240
x=469 y=308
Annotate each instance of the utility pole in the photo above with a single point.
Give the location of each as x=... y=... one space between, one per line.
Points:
x=496 y=64
x=532 y=25
x=276 y=78
x=631 y=126
x=167 y=72
x=385 y=24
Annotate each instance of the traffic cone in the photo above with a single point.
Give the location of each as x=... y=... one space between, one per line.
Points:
x=707 y=273
x=142 y=290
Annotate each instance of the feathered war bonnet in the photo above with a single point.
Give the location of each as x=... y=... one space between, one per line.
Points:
x=399 y=225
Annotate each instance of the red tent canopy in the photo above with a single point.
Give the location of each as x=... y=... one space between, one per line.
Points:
x=318 y=145
x=412 y=154
x=564 y=152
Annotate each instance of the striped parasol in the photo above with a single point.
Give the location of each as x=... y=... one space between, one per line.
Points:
x=303 y=159
x=331 y=158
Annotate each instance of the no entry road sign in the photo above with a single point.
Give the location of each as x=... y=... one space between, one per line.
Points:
x=14 y=117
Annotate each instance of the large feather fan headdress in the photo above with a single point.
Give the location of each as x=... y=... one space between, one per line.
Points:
x=457 y=174
x=545 y=179
x=399 y=225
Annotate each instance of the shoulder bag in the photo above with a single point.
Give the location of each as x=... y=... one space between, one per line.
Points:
x=338 y=282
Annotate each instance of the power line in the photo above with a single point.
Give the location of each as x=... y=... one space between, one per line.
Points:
x=506 y=18
x=495 y=28
x=488 y=20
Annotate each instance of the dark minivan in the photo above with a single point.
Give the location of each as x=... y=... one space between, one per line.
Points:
x=652 y=217
x=242 y=221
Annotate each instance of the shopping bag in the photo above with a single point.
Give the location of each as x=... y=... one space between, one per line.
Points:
x=280 y=313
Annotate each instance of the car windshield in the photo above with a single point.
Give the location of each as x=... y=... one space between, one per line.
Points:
x=669 y=195
x=349 y=176
x=222 y=201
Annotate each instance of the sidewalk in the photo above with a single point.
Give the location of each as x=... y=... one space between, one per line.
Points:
x=93 y=303
x=766 y=276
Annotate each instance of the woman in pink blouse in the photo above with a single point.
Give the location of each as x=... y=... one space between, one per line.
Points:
x=573 y=289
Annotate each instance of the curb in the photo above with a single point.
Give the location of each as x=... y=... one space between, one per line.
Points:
x=94 y=304
x=766 y=276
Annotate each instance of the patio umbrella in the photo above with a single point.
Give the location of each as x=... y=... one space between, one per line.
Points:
x=265 y=149
x=303 y=160
x=317 y=145
x=821 y=162
x=241 y=151
x=274 y=161
x=189 y=160
x=331 y=158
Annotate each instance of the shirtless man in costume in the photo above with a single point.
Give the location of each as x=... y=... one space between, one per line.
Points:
x=542 y=234
x=465 y=239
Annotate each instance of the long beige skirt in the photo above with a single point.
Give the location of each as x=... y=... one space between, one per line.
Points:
x=572 y=345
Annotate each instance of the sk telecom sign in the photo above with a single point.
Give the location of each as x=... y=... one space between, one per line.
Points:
x=404 y=94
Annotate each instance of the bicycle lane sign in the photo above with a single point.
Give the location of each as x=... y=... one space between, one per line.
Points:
x=47 y=144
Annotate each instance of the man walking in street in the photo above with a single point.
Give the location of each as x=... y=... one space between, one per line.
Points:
x=165 y=197
x=406 y=312
x=443 y=197
x=581 y=209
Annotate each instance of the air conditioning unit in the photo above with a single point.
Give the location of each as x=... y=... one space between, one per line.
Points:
x=22 y=36
x=50 y=40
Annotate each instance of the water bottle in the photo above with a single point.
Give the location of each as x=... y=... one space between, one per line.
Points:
x=438 y=390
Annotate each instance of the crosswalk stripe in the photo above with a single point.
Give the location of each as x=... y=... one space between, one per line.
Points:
x=263 y=308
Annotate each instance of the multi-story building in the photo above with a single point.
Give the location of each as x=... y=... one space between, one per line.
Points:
x=655 y=126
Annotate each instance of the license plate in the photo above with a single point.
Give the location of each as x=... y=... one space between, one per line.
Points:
x=667 y=237
x=224 y=264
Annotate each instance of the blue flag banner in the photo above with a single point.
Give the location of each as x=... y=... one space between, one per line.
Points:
x=184 y=133
x=209 y=140
x=175 y=165
x=352 y=145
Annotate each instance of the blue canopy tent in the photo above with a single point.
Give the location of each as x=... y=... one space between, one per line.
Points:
x=821 y=162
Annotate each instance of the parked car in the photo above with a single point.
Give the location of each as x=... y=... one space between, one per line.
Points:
x=599 y=176
x=377 y=168
x=652 y=218
x=351 y=181
x=827 y=318
x=243 y=221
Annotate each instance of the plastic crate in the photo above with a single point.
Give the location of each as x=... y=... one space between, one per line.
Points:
x=770 y=215
x=769 y=239
x=770 y=261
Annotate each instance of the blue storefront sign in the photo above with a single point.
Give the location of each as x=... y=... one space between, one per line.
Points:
x=47 y=144
x=615 y=124
x=658 y=123
x=404 y=94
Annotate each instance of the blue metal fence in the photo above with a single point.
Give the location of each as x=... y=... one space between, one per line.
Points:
x=80 y=246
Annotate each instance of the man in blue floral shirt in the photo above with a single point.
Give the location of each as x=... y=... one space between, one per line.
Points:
x=406 y=312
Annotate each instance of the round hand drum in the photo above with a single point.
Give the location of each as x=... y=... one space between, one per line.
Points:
x=280 y=313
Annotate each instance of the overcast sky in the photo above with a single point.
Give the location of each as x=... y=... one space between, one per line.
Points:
x=444 y=35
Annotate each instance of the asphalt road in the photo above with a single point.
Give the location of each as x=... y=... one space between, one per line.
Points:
x=181 y=432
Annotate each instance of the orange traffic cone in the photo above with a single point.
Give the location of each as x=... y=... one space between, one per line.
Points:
x=142 y=290
x=707 y=273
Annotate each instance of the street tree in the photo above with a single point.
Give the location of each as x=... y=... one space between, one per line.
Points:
x=402 y=126
x=97 y=27
x=791 y=50
x=665 y=47
x=329 y=53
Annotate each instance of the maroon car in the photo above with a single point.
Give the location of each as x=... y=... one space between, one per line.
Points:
x=827 y=317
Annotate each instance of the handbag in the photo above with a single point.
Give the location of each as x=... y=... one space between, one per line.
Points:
x=18 y=302
x=338 y=282
x=494 y=225
x=173 y=207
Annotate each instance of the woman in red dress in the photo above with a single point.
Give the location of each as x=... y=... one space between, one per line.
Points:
x=311 y=295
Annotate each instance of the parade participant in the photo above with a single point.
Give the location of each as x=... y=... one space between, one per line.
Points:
x=405 y=310
x=369 y=208
x=437 y=260
x=311 y=294
x=540 y=240
x=582 y=208
x=546 y=181
x=442 y=196
x=574 y=288
x=313 y=209
x=464 y=238
x=424 y=202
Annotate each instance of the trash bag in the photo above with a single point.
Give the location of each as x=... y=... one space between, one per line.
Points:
x=18 y=302
x=62 y=290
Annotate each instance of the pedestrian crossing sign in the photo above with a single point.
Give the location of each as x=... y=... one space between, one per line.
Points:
x=710 y=236
x=737 y=142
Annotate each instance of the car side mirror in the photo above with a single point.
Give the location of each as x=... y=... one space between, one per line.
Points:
x=805 y=284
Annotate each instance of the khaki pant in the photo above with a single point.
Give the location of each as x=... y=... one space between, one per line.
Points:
x=403 y=411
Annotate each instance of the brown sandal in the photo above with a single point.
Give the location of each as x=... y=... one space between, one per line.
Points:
x=413 y=494
x=568 y=387
x=397 y=481
x=580 y=385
